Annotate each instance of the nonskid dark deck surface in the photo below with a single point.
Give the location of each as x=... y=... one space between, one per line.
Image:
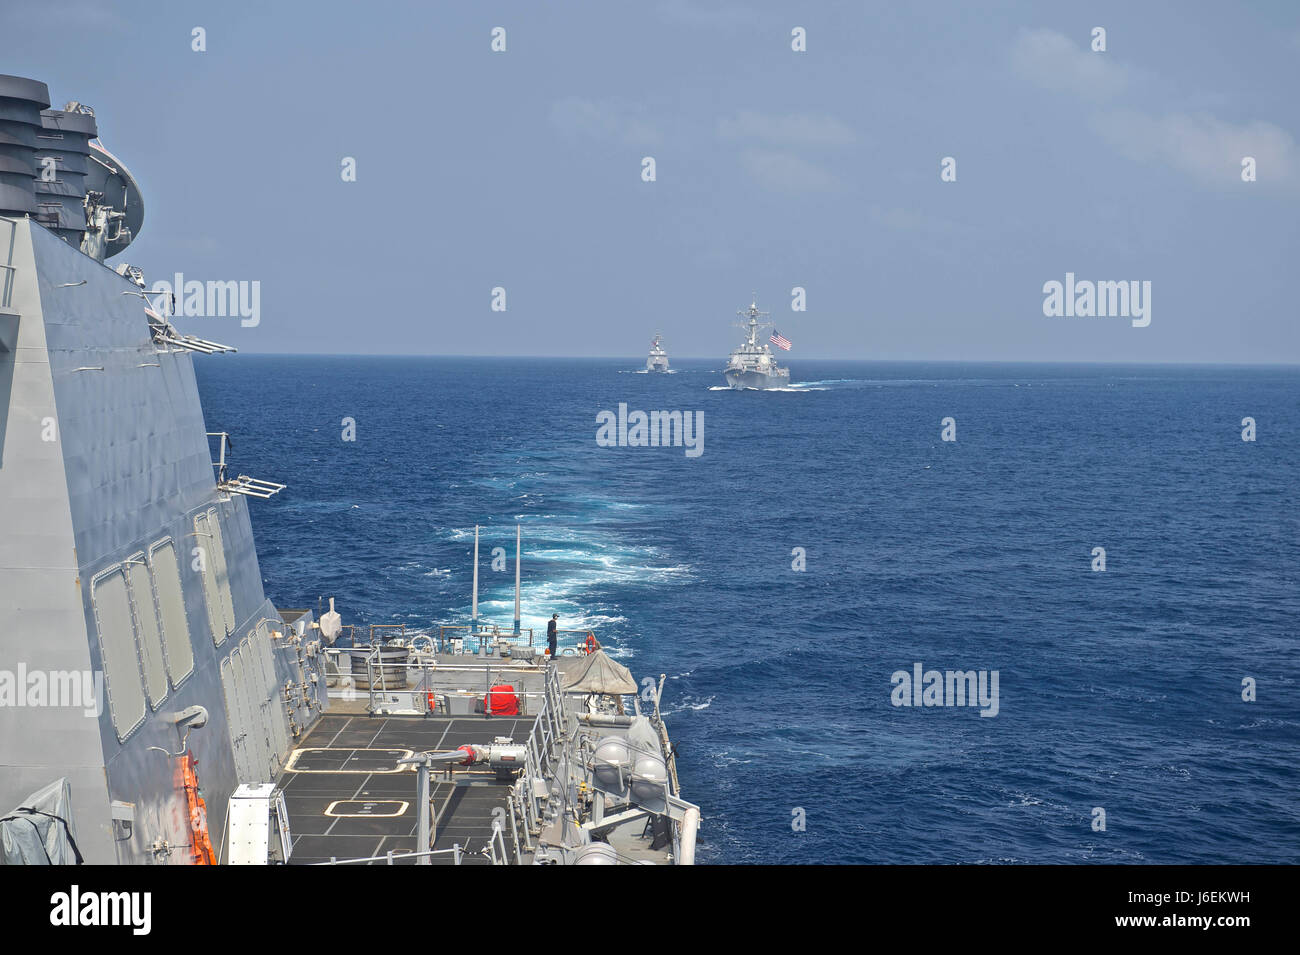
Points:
x=350 y=770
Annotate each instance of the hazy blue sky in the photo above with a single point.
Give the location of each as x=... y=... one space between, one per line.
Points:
x=775 y=169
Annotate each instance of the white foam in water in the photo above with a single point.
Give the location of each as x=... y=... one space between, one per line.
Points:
x=567 y=560
x=796 y=388
x=826 y=384
x=690 y=703
x=558 y=577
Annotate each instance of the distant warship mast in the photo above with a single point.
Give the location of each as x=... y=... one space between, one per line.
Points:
x=753 y=314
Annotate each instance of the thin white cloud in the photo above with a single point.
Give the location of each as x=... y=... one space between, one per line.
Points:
x=792 y=130
x=773 y=142
x=1197 y=144
x=1053 y=61
x=786 y=172
x=604 y=120
x=1203 y=146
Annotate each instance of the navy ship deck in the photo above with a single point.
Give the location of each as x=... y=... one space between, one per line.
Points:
x=351 y=787
x=348 y=799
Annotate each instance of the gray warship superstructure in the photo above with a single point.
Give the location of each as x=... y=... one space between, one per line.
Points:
x=658 y=358
x=155 y=706
x=753 y=365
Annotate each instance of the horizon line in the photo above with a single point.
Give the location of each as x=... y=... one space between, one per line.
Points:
x=934 y=361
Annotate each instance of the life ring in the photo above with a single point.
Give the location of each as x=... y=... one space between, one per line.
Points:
x=591 y=644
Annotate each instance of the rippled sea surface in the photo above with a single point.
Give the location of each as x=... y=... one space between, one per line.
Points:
x=1118 y=690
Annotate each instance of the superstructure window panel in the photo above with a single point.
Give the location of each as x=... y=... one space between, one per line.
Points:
x=261 y=641
x=251 y=706
x=152 y=657
x=222 y=571
x=166 y=576
x=216 y=581
x=117 y=649
x=277 y=717
x=203 y=547
x=261 y=682
x=235 y=722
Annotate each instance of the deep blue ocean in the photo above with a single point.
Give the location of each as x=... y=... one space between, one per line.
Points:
x=1119 y=690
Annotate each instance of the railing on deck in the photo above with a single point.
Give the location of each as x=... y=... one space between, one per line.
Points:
x=485 y=635
x=496 y=847
x=7 y=270
x=580 y=643
x=391 y=857
x=375 y=631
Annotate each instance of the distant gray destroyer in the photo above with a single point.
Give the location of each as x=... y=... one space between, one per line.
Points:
x=753 y=365
x=658 y=360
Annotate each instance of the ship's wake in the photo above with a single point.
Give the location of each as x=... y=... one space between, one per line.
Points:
x=574 y=569
x=796 y=386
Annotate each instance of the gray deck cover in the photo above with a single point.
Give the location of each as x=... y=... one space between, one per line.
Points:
x=600 y=674
x=36 y=833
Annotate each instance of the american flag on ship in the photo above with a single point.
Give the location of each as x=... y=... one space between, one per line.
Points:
x=779 y=340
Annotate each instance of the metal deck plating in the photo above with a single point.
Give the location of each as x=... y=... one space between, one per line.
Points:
x=585 y=778
x=353 y=762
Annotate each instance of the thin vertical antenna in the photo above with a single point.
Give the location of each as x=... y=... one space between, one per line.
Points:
x=517 y=538
x=473 y=614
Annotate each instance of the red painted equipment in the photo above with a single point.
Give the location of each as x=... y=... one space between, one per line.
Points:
x=200 y=845
x=501 y=701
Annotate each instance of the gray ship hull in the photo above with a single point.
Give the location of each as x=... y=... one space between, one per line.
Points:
x=99 y=509
x=756 y=380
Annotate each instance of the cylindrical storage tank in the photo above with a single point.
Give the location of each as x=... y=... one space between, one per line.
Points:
x=648 y=778
x=596 y=853
x=393 y=660
x=609 y=765
x=63 y=146
x=21 y=102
